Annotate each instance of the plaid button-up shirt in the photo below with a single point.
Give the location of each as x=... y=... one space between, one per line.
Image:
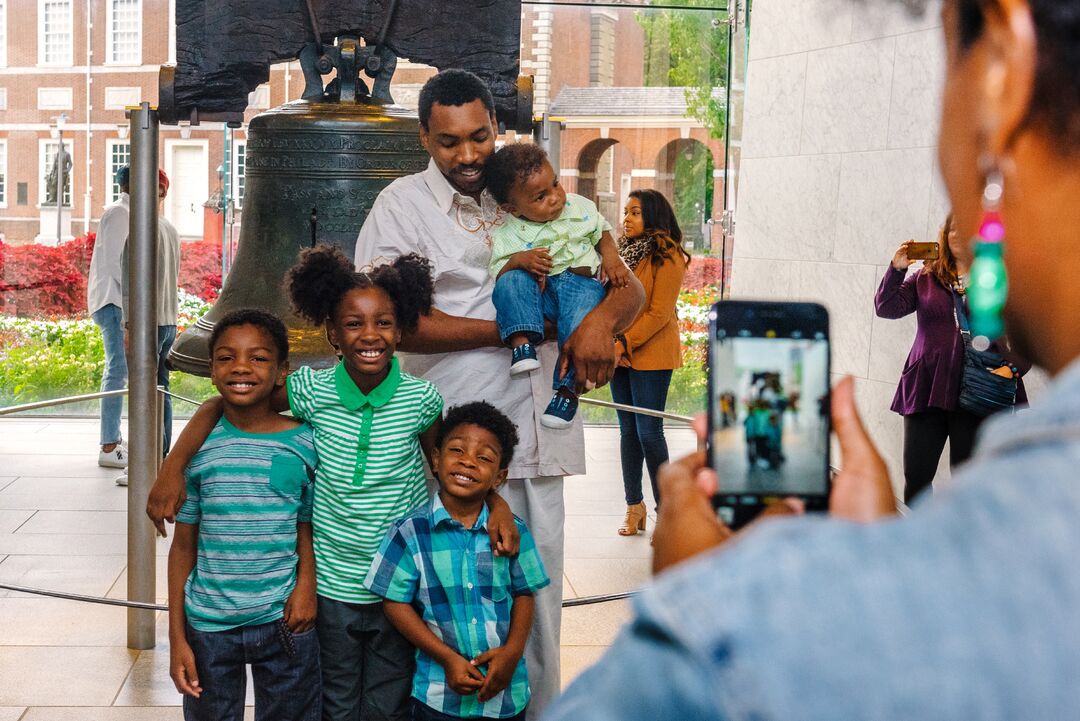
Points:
x=463 y=592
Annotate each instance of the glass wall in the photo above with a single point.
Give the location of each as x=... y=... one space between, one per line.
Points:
x=647 y=94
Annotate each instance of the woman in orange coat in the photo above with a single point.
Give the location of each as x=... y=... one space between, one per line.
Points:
x=650 y=349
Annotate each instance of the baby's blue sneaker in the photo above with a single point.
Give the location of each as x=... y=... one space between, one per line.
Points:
x=524 y=360
x=560 y=412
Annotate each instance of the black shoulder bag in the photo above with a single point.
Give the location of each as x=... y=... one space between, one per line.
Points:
x=982 y=392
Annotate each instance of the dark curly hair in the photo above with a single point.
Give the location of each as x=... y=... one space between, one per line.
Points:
x=266 y=322
x=1055 y=102
x=659 y=220
x=453 y=87
x=323 y=275
x=488 y=417
x=513 y=163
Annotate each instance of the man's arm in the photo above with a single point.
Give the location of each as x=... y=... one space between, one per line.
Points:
x=591 y=347
x=440 y=332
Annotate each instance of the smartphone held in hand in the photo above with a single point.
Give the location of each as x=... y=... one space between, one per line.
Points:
x=923 y=251
x=768 y=406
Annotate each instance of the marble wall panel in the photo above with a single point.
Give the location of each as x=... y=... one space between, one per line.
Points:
x=885 y=428
x=757 y=279
x=848 y=92
x=915 y=116
x=773 y=112
x=847 y=292
x=787 y=207
x=872 y=19
x=795 y=26
x=939 y=204
x=883 y=201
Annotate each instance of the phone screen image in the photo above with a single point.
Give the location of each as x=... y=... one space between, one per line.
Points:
x=769 y=411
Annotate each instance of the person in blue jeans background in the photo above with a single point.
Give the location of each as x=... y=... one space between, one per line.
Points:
x=650 y=350
x=104 y=298
x=107 y=302
x=544 y=260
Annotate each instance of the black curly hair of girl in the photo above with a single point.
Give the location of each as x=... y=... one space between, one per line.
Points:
x=323 y=275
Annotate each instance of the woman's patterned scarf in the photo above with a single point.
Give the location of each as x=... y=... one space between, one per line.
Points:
x=635 y=250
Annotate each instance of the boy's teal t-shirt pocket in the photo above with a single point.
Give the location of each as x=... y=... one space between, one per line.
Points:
x=287 y=474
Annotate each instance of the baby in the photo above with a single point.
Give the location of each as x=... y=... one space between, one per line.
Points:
x=544 y=260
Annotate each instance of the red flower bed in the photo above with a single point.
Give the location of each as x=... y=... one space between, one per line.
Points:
x=40 y=281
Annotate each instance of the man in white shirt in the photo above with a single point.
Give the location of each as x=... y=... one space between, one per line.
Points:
x=107 y=300
x=445 y=214
x=104 y=301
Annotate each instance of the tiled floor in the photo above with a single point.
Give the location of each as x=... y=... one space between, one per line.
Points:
x=63 y=527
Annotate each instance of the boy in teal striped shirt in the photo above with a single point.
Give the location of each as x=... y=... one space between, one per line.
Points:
x=241 y=566
x=467 y=611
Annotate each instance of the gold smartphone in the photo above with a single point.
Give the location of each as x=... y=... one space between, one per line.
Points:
x=923 y=251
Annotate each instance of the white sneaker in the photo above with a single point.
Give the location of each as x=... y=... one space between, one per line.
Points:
x=122 y=480
x=116 y=458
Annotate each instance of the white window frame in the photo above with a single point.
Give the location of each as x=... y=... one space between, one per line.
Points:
x=4 y=173
x=110 y=168
x=67 y=60
x=44 y=143
x=110 y=35
x=237 y=172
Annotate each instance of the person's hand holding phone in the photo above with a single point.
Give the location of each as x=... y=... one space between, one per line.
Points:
x=900 y=260
x=688 y=525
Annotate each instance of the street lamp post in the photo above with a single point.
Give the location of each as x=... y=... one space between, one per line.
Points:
x=57 y=131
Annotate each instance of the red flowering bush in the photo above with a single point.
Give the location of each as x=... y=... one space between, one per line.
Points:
x=704 y=270
x=200 y=269
x=41 y=281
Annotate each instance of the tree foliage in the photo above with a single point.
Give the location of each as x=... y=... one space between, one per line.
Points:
x=689 y=49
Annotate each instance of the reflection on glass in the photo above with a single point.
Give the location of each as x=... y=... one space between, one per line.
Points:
x=642 y=88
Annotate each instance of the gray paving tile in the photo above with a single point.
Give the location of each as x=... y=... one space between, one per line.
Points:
x=10 y=520
x=595 y=625
x=144 y=713
x=575 y=659
x=595 y=576
x=60 y=544
x=62 y=675
x=51 y=464
x=87 y=575
x=37 y=621
x=6 y=481
x=11 y=713
x=614 y=547
x=87 y=522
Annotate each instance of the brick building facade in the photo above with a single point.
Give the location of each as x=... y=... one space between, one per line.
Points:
x=88 y=59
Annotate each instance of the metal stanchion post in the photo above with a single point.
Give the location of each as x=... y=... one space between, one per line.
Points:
x=144 y=428
x=547 y=133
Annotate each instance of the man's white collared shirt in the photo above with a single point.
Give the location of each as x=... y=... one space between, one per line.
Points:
x=424 y=214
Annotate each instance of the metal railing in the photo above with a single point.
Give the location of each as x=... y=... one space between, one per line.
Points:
x=143 y=606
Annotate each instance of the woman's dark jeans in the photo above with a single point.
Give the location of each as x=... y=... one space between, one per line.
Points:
x=642 y=436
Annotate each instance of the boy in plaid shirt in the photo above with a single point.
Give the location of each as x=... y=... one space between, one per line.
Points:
x=467 y=611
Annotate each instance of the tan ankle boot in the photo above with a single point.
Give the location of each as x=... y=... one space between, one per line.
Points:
x=634 y=521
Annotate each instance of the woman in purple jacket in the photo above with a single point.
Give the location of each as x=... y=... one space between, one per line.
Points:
x=929 y=388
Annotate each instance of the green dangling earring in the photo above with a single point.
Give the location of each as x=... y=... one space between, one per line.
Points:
x=988 y=286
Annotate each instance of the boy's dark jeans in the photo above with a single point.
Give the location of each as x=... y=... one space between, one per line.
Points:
x=566 y=300
x=287 y=688
x=423 y=712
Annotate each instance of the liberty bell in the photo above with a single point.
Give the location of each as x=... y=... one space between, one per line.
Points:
x=313 y=168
